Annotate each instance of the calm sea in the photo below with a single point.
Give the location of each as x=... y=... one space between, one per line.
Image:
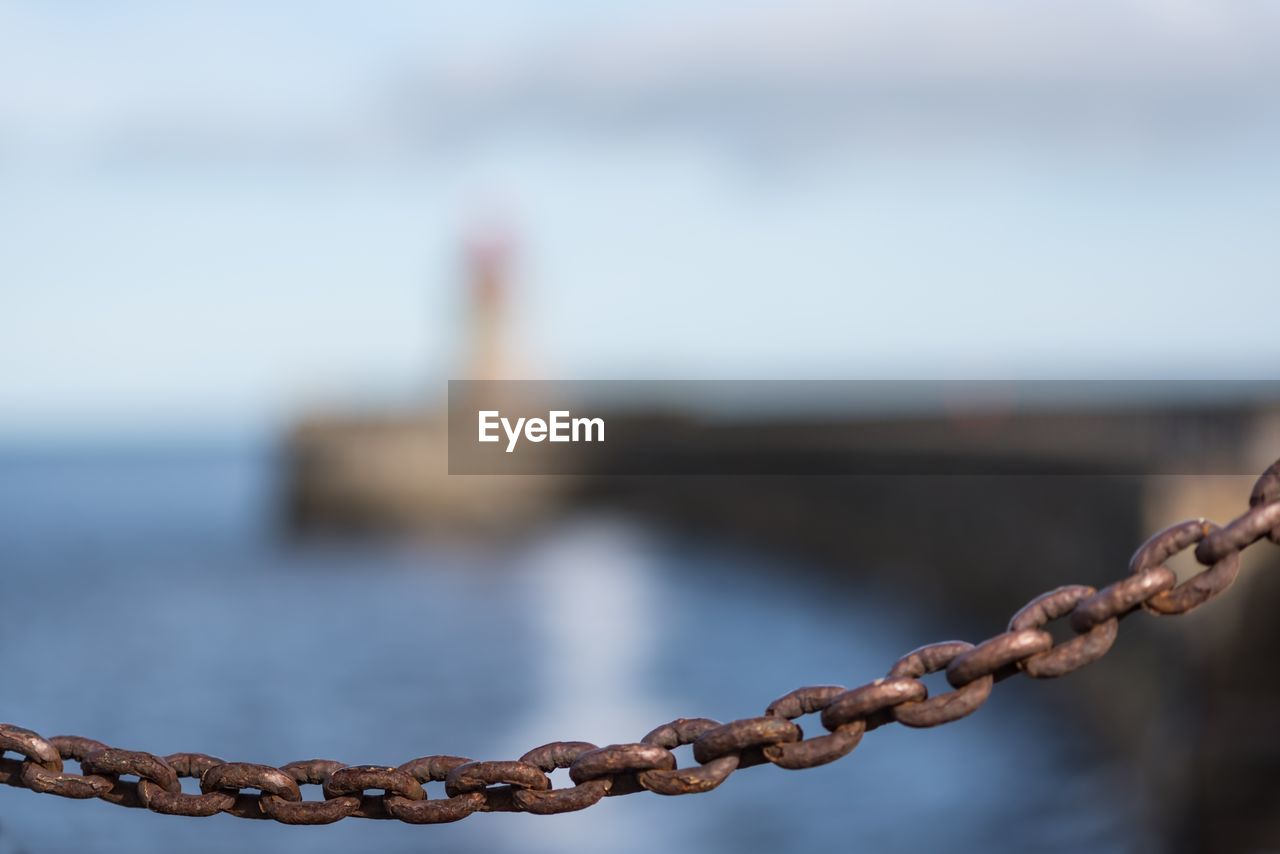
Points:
x=151 y=603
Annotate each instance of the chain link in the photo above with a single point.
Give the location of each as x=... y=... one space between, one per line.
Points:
x=523 y=785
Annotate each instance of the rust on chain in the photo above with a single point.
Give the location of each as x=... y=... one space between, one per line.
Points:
x=496 y=780
x=166 y=802
x=112 y=762
x=433 y=769
x=818 y=750
x=620 y=763
x=1223 y=566
x=354 y=780
x=943 y=708
x=1262 y=520
x=873 y=703
x=1267 y=491
x=1121 y=598
x=30 y=761
x=1068 y=657
x=65 y=784
x=234 y=777
x=313 y=772
x=997 y=656
x=804 y=701
x=746 y=738
x=29 y=745
x=685 y=781
x=549 y=757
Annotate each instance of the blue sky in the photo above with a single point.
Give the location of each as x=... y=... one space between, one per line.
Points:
x=217 y=214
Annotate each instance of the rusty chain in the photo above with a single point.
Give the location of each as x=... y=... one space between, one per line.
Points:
x=523 y=785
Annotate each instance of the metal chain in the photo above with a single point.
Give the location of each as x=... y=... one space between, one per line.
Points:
x=247 y=790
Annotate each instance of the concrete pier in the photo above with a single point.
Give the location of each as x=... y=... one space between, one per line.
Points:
x=966 y=550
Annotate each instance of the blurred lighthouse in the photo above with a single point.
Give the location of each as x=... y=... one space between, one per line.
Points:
x=488 y=257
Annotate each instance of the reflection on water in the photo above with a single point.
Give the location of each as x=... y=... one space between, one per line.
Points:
x=148 y=605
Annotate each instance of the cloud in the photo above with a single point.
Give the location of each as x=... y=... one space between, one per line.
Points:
x=232 y=83
x=886 y=68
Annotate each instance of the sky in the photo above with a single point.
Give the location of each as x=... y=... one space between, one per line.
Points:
x=214 y=216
